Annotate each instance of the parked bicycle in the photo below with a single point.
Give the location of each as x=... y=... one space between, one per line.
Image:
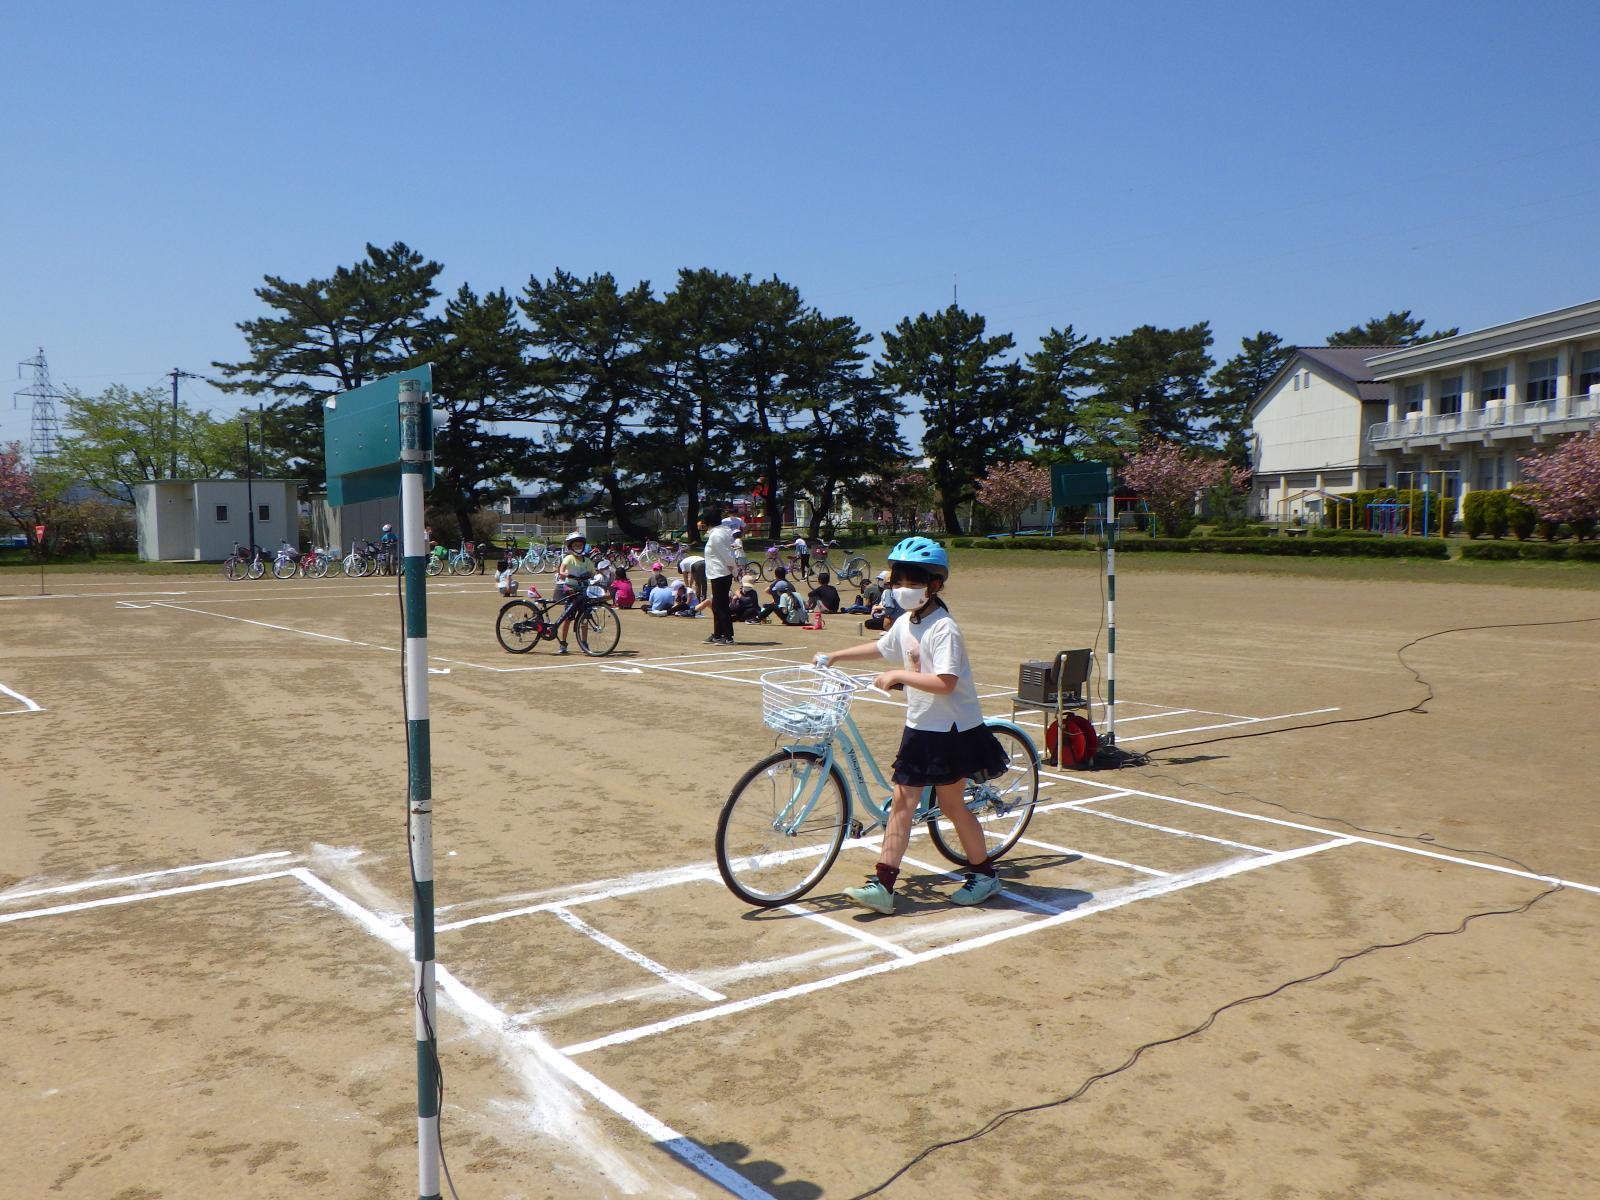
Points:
x=775 y=557
x=788 y=815
x=523 y=624
x=314 y=562
x=242 y=564
x=286 y=562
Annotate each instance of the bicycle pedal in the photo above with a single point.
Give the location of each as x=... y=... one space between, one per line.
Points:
x=857 y=830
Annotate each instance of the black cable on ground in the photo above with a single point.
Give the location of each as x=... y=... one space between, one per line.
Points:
x=1002 y=1117
x=421 y=997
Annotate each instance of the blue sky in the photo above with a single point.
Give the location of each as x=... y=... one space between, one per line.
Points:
x=1276 y=166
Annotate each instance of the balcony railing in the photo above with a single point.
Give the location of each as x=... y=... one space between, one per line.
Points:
x=1481 y=420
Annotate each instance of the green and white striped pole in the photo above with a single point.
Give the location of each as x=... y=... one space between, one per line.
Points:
x=415 y=453
x=1110 y=740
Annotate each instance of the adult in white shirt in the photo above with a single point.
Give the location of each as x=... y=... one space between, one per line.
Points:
x=803 y=552
x=720 y=565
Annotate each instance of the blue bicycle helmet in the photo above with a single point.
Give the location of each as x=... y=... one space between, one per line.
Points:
x=922 y=552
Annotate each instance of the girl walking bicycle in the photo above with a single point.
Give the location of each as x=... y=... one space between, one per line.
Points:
x=946 y=742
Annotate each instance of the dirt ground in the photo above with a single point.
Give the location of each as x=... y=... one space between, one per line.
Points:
x=243 y=1028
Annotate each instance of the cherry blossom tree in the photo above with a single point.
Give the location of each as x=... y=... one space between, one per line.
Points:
x=1563 y=483
x=1010 y=488
x=29 y=494
x=1171 y=479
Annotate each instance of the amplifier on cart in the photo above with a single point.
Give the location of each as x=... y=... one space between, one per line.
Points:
x=1057 y=681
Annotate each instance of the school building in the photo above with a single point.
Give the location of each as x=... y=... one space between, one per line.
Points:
x=1456 y=414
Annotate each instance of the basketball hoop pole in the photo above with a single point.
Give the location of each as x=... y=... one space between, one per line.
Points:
x=414 y=457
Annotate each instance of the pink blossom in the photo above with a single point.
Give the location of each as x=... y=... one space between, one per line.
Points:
x=1171 y=480
x=1008 y=488
x=1563 y=483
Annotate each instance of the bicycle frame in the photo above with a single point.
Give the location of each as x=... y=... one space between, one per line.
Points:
x=854 y=751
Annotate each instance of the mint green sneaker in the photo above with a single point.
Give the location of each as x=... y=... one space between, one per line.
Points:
x=976 y=889
x=873 y=895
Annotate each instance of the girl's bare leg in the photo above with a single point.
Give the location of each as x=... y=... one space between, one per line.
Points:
x=967 y=828
x=897 y=830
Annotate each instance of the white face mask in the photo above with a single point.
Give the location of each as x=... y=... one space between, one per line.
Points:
x=910 y=598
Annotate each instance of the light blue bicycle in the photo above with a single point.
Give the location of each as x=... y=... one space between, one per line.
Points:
x=788 y=815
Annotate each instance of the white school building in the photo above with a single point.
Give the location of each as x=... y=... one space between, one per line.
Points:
x=1455 y=414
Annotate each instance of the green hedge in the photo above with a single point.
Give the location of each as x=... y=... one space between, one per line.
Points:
x=1584 y=552
x=1490 y=551
x=1345 y=533
x=1278 y=547
x=1542 y=550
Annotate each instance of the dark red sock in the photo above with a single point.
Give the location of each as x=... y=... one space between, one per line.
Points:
x=986 y=867
x=887 y=875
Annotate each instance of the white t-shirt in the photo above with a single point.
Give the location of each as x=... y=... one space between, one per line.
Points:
x=800 y=546
x=942 y=651
x=721 y=546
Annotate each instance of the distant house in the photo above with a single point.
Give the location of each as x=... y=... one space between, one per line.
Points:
x=1309 y=430
x=201 y=519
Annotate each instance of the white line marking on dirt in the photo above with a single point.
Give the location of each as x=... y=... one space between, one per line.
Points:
x=497 y=1021
x=8 y=918
x=1202 y=837
x=85 y=885
x=1099 y=858
x=1310 y=712
x=860 y=935
x=1365 y=841
x=1143 y=891
x=28 y=705
x=633 y=956
x=605 y=890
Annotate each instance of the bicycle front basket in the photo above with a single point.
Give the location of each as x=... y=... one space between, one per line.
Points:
x=803 y=701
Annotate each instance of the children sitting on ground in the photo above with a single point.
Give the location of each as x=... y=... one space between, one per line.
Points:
x=824 y=597
x=745 y=604
x=786 y=605
x=622 y=593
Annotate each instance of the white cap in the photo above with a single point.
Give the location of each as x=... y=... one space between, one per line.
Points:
x=883 y=576
x=675 y=584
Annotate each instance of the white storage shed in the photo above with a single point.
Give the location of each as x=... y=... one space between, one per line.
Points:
x=200 y=519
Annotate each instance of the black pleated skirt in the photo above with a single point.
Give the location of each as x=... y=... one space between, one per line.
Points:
x=931 y=757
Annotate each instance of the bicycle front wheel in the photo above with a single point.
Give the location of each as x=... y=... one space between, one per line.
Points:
x=317 y=567
x=435 y=564
x=782 y=827
x=255 y=568
x=1003 y=806
x=598 y=630
x=518 y=626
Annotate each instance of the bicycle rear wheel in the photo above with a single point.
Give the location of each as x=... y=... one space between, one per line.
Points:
x=435 y=564
x=856 y=570
x=1003 y=806
x=519 y=626
x=598 y=630
x=233 y=569
x=781 y=828
x=255 y=568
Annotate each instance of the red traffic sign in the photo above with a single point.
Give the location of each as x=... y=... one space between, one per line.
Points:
x=38 y=533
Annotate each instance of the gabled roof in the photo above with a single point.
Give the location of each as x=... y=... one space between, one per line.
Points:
x=1346 y=363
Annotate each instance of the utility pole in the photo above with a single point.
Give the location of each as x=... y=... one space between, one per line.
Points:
x=177 y=374
x=249 y=491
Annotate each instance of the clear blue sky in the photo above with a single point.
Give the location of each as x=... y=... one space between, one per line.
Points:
x=1273 y=166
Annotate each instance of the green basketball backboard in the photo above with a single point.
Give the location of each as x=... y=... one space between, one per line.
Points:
x=1076 y=485
x=361 y=439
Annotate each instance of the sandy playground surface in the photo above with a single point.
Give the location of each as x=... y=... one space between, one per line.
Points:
x=203 y=888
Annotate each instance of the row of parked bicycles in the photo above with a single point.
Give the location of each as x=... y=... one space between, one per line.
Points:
x=370 y=558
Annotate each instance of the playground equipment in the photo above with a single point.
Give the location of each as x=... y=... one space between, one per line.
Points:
x=1391 y=520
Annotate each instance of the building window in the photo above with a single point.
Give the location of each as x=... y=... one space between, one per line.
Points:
x=1541 y=379
x=1494 y=385
x=263 y=512
x=1589 y=370
x=1297 y=381
x=1450 y=394
x=1306 y=376
x=1413 y=399
x=222 y=513
x=1488 y=472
